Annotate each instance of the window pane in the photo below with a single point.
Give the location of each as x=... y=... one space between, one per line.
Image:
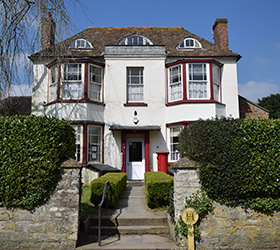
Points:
x=94 y=143
x=174 y=142
x=95 y=83
x=79 y=142
x=175 y=83
x=135 y=85
x=197 y=81
x=135 y=151
x=72 y=81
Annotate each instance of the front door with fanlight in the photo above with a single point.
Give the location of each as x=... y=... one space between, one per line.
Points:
x=135 y=159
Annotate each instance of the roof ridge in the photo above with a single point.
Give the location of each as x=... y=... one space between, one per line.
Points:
x=139 y=27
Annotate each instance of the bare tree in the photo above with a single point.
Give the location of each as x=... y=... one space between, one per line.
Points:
x=20 y=35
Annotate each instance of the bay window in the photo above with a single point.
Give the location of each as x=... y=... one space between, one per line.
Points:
x=75 y=81
x=135 y=85
x=194 y=81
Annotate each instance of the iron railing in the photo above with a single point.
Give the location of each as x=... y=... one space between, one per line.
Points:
x=104 y=197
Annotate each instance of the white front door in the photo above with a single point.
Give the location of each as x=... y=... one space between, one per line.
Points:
x=135 y=159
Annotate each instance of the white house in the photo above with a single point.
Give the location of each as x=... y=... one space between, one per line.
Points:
x=129 y=91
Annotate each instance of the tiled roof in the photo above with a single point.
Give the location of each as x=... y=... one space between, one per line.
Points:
x=170 y=37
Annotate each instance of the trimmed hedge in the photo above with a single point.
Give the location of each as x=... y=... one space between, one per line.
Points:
x=31 y=149
x=158 y=186
x=240 y=160
x=117 y=183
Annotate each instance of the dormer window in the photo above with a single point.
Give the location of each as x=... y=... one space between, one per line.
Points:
x=80 y=43
x=135 y=39
x=189 y=43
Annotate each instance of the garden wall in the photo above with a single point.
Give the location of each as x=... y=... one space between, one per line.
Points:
x=225 y=228
x=50 y=226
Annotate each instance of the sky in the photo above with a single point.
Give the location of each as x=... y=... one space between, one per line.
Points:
x=253 y=28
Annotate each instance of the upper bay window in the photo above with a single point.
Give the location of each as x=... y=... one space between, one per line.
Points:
x=194 y=81
x=75 y=81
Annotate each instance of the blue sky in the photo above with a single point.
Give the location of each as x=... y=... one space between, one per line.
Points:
x=253 y=27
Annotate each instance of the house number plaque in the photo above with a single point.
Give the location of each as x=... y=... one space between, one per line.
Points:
x=190 y=217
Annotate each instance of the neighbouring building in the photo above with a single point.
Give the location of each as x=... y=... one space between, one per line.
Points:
x=249 y=109
x=15 y=105
x=130 y=90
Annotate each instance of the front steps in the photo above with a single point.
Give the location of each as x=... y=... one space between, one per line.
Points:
x=132 y=225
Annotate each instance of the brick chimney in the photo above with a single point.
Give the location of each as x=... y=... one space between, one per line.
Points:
x=47 y=31
x=220 y=31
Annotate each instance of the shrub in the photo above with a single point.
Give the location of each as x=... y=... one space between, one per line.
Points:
x=158 y=186
x=239 y=160
x=117 y=183
x=31 y=149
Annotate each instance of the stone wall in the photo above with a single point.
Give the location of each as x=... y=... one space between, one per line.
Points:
x=51 y=226
x=224 y=228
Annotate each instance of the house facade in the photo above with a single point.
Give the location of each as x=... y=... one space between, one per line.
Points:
x=130 y=91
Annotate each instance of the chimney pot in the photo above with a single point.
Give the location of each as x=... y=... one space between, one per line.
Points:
x=220 y=31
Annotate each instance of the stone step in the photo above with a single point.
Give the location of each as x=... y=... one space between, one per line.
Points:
x=129 y=230
x=128 y=221
x=130 y=242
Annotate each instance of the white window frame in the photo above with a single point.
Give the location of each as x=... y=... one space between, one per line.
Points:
x=135 y=87
x=79 y=142
x=189 y=43
x=94 y=141
x=174 y=153
x=135 y=39
x=68 y=88
x=198 y=89
x=80 y=43
x=216 y=80
x=178 y=83
x=95 y=82
x=53 y=82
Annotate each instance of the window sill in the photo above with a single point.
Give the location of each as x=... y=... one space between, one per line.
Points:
x=83 y=100
x=192 y=101
x=135 y=104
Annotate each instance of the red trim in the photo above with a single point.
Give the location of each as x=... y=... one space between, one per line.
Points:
x=84 y=144
x=135 y=104
x=185 y=123
x=83 y=100
x=195 y=61
x=123 y=150
x=211 y=82
x=193 y=101
x=146 y=148
x=167 y=84
x=74 y=61
x=184 y=74
x=147 y=151
x=86 y=82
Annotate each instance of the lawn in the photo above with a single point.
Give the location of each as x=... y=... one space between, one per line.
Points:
x=86 y=205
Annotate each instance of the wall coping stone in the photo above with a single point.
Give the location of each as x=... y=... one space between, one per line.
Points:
x=70 y=163
x=185 y=163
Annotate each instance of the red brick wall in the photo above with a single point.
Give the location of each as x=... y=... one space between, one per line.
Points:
x=220 y=31
x=247 y=109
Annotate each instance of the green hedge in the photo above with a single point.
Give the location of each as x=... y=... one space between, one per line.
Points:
x=117 y=183
x=240 y=160
x=158 y=186
x=31 y=149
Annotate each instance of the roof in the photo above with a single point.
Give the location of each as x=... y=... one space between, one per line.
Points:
x=15 y=105
x=241 y=98
x=170 y=37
